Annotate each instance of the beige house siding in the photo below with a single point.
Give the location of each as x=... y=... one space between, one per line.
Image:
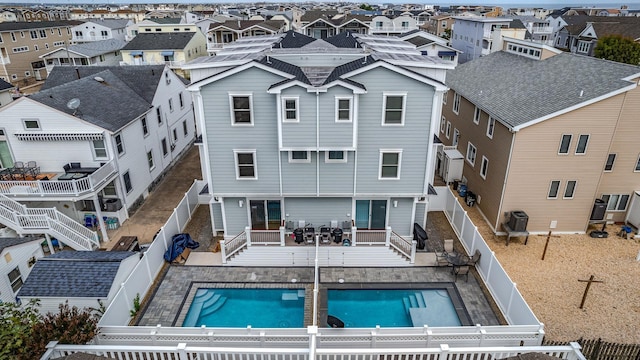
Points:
x=535 y=163
x=623 y=179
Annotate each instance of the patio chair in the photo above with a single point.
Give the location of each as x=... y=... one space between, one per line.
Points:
x=461 y=270
x=475 y=258
x=448 y=245
x=19 y=169
x=33 y=168
x=441 y=259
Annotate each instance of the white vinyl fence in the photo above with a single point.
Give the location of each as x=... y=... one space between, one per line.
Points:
x=143 y=275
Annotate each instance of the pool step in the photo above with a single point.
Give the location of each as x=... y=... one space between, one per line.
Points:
x=212 y=300
x=420 y=299
x=214 y=307
x=202 y=295
x=288 y=296
x=407 y=306
x=414 y=301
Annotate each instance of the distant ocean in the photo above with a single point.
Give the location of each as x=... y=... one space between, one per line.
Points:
x=506 y=5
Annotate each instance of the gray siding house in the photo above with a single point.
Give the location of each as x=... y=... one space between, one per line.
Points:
x=305 y=130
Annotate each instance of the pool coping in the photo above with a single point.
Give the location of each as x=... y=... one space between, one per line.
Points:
x=452 y=290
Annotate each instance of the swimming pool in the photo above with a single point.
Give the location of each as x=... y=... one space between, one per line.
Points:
x=260 y=308
x=392 y=307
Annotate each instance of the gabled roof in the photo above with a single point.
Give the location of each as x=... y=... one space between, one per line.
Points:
x=110 y=23
x=293 y=39
x=6 y=243
x=576 y=80
x=315 y=14
x=285 y=67
x=349 y=67
x=238 y=25
x=629 y=30
x=165 y=21
x=74 y=274
x=343 y=40
x=10 y=26
x=93 y=48
x=5 y=85
x=160 y=41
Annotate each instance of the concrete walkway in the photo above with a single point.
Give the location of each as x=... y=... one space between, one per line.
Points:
x=159 y=205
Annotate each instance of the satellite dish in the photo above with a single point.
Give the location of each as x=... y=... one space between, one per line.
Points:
x=98 y=79
x=73 y=103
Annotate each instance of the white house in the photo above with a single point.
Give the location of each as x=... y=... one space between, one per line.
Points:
x=383 y=25
x=102 y=53
x=6 y=91
x=17 y=256
x=99 y=137
x=82 y=278
x=104 y=29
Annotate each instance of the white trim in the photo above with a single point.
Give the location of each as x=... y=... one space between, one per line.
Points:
x=568 y=147
x=299 y=161
x=448 y=130
x=491 y=125
x=385 y=95
x=255 y=163
x=482 y=167
x=586 y=145
x=296 y=100
x=24 y=124
x=557 y=189
x=337 y=102
x=637 y=166
x=475 y=154
x=443 y=124
x=232 y=115
x=573 y=193
x=240 y=66
x=456 y=135
x=438 y=85
x=476 y=119
x=327 y=160
x=390 y=151
x=612 y=163
x=454 y=108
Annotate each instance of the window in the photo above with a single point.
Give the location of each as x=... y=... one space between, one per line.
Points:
x=245 y=164
x=490 y=127
x=13 y=37
x=127 y=181
x=34 y=34
x=290 y=111
x=31 y=124
x=43 y=33
x=150 y=160
x=99 y=149
x=171 y=105
x=78 y=34
x=167 y=78
x=299 y=157
x=165 y=150
x=456 y=136
x=448 y=131
x=343 y=109
x=616 y=202
x=637 y=164
x=553 y=189
x=109 y=189
x=390 y=164
x=181 y=99
x=36 y=48
x=20 y=49
x=583 y=46
x=444 y=98
x=471 y=154
x=175 y=135
x=476 y=115
x=443 y=124
x=456 y=103
x=185 y=129
x=104 y=33
x=241 y=109
x=15 y=278
x=145 y=128
x=393 y=111
x=582 y=144
x=335 y=157
x=119 y=144
x=159 y=114
x=564 y=144
x=484 y=167
x=610 y=160
x=570 y=189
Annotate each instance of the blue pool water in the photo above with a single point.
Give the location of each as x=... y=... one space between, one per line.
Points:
x=268 y=308
x=392 y=308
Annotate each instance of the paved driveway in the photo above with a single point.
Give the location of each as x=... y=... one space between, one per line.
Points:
x=159 y=205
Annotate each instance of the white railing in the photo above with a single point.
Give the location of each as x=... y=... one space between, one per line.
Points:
x=145 y=272
x=230 y=247
x=504 y=291
x=405 y=247
x=76 y=187
x=370 y=237
x=265 y=237
x=183 y=351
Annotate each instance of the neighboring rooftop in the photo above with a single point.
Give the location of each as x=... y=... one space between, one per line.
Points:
x=160 y=41
x=577 y=79
x=110 y=23
x=94 y=48
x=10 y=26
x=74 y=274
x=9 y=242
x=5 y=85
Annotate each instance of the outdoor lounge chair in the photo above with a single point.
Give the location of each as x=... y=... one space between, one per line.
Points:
x=461 y=270
x=475 y=258
x=441 y=259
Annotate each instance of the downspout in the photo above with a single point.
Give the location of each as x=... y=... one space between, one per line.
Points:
x=436 y=108
x=317 y=143
x=279 y=112
x=197 y=97
x=354 y=128
x=504 y=183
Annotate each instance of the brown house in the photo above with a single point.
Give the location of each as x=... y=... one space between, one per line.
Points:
x=547 y=133
x=21 y=44
x=438 y=25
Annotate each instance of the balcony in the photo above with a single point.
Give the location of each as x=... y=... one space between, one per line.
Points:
x=60 y=186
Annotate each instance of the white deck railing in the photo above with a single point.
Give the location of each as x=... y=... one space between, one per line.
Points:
x=182 y=351
x=38 y=188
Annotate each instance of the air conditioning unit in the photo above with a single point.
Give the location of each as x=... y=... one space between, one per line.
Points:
x=518 y=220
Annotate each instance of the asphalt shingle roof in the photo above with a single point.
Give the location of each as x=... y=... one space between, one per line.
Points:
x=110 y=23
x=9 y=242
x=95 y=48
x=5 y=85
x=74 y=274
x=292 y=39
x=285 y=67
x=10 y=26
x=529 y=89
x=343 y=40
x=160 y=41
x=348 y=67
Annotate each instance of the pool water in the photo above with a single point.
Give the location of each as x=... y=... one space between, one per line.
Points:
x=260 y=308
x=392 y=308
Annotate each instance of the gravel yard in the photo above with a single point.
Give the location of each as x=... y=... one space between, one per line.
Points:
x=551 y=286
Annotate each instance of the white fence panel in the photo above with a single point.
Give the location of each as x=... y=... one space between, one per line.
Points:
x=120 y=313
x=171 y=227
x=438 y=202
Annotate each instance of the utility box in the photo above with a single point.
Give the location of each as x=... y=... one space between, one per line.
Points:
x=518 y=220
x=453 y=162
x=599 y=210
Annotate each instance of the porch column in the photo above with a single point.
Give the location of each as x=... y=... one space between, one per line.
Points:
x=282 y=235
x=103 y=227
x=49 y=244
x=247 y=231
x=354 y=230
x=387 y=236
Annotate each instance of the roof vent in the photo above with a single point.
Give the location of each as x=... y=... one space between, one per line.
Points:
x=98 y=79
x=581 y=93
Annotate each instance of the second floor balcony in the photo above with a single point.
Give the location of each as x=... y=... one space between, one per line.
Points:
x=74 y=182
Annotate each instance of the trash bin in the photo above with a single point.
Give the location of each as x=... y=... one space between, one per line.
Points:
x=470 y=199
x=337 y=235
x=346 y=242
x=462 y=190
x=298 y=234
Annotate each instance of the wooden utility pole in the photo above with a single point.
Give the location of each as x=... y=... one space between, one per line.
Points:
x=586 y=290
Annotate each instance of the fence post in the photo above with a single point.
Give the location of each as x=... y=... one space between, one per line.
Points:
x=444 y=352
x=414 y=244
x=387 y=236
x=354 y=230
x=513 y=291
x=223 y=251
x=576 y=348
x=282 y=235
x=186 y=197
x=175 y=211
x=182 y=351
x=247 y=231
x=313 y=333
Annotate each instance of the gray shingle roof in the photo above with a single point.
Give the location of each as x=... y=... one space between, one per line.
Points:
x=110 y=104
x=74 y=274
x=5 y=85
x=9 y=242
x=9 y=26
x=111 y=23
x=95 y=48
x=285 y=67
x=348 y=67
x=343 y=40
x=160 y=41
x=529 y=89
x=292 y=39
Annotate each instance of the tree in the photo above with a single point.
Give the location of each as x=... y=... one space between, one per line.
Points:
x=16 y=327
x=69 y=326
x=618 y=48
x=366 y=7
x=446 y=34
